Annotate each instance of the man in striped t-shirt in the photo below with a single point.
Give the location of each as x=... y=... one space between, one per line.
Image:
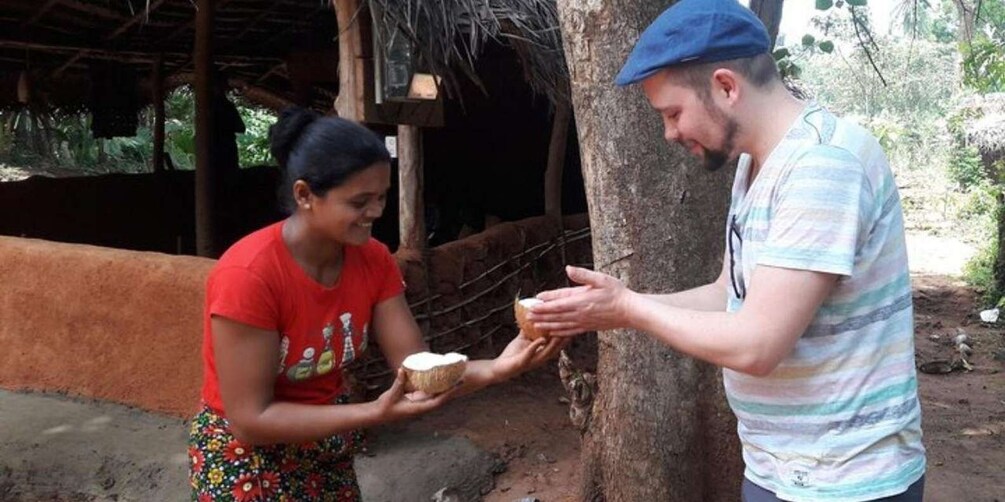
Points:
x=811 y=316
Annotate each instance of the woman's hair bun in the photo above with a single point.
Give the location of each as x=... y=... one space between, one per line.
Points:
x=284 y=134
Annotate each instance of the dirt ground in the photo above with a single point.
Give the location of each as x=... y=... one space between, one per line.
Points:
x=963 y=412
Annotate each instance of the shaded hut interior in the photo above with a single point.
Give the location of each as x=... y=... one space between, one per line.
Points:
x=484 y=140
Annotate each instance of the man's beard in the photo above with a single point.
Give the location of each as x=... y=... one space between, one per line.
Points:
x=715 y=159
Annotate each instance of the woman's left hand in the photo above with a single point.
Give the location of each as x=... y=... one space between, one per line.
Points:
x=522 y=354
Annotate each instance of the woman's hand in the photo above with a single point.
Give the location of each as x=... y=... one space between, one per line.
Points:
x=521 y=355
x=395 y=404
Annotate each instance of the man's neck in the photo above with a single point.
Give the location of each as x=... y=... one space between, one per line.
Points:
x=770 y=120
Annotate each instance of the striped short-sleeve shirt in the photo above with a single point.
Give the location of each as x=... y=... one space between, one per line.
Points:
x=839 y=418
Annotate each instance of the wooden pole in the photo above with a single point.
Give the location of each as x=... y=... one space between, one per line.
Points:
x=770 y=13
x=349 y=103
x=411 y=208
x=556 y=160
x=158 y=102
x=204 y=179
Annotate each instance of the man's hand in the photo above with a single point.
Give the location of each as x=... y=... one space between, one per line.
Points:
x=599 y=304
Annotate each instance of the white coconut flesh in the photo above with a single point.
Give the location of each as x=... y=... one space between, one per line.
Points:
x=424 y=361
x=530 y=302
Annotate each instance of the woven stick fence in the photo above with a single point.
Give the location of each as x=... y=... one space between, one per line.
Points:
x=541 y=264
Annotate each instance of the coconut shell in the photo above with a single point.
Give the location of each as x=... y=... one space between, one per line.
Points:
x=529 y=331
x=437 y=379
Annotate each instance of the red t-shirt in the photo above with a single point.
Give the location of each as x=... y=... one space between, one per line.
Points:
x=257 y=282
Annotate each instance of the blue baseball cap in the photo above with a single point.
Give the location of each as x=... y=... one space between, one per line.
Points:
x=700 y=31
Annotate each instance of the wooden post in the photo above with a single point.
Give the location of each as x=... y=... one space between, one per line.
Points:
x=770 y=13
x=157 y=88
x=204 y=179
x=556 y=160
x=349 y=103
x=412 y=225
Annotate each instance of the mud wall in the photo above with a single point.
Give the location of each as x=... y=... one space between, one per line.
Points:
x=125 y=326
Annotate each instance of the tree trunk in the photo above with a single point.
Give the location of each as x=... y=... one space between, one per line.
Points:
x=967 y=11
x=999 y=265
x=770 y=13
x=660 y=428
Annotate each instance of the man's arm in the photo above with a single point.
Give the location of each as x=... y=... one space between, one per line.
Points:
x=779 y=307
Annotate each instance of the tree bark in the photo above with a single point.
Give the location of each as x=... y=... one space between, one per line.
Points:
x=967 y=12
x=660 y=428
x=770 y=13
x=205 y=179
x=998 y=269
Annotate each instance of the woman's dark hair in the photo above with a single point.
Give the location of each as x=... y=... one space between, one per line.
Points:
x=322 y=151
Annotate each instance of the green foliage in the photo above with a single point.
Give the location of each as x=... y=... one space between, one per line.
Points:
x=907 y=115
x=984 y=64
x=789 y=61
x=253 y=145
x=965 y=167
x=68 y=143
x=179 y=127
x=979 y=271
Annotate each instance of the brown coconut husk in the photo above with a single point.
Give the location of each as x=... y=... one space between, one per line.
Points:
x=437 y=379
x=529 y=331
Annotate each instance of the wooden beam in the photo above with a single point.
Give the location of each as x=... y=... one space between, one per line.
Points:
x=118 y=31
x=411 y=209
x=254 y=22
x=349 y=103
x=292 y=25
x=274 y=69
x=556 y=160
x=39 y=13
x=181 y=28
x=135 y=19
x=157 y=88
x=205 y=186
x=132 y=55
x=93 y=9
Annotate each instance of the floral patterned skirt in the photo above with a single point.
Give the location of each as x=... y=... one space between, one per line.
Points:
x=223 y=469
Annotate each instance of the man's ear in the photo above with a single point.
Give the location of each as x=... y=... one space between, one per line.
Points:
x=726 y=84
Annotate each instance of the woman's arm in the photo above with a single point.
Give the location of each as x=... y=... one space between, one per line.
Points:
x=246 y=360
x=399 y=336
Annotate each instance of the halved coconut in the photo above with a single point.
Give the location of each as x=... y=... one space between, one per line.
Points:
x=434 y=373
x=520 y=308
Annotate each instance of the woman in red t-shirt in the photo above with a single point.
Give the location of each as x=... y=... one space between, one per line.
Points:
x=291 y=304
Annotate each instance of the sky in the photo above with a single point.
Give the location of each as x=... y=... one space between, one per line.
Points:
x=796 y=15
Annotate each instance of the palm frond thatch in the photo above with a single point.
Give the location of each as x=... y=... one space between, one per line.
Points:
x=451 y=34
x=987 y=131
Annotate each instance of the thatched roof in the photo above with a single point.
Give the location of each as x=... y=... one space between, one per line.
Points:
x=53 y=45
x=452 y=33
x=986 y=130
